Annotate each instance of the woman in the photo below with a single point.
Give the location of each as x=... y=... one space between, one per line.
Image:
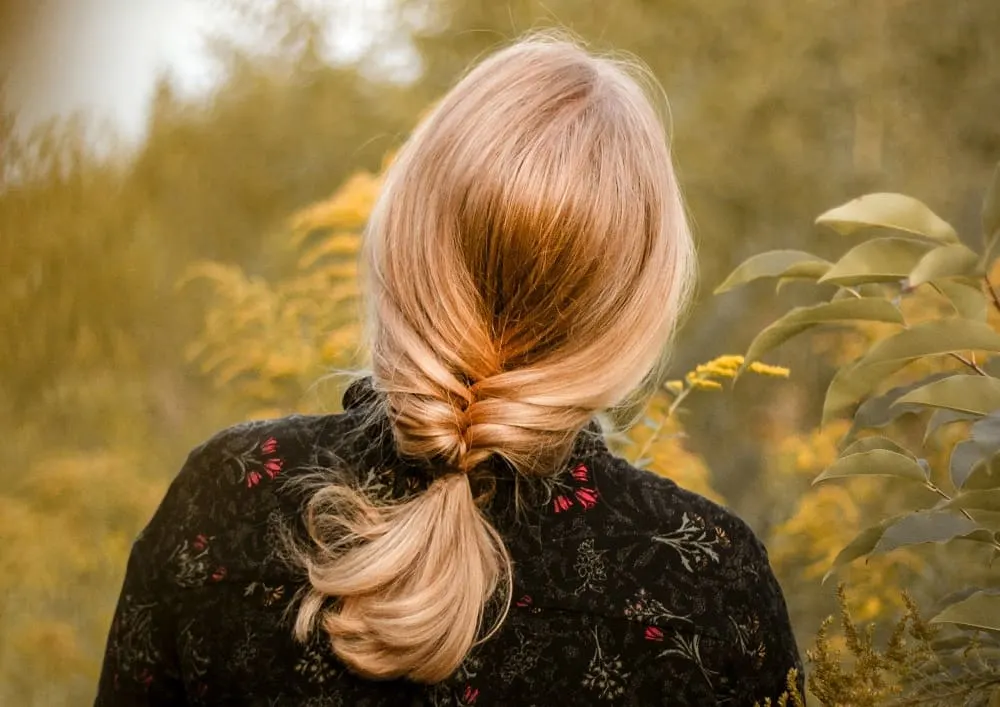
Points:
x=461 y=534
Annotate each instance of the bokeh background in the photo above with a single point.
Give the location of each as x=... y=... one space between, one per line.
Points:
x=181 y=187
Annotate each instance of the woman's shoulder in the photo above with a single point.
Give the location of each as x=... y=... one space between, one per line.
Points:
x=653 y=505
x=673 y=543
x=683 y=565
x=226 y=509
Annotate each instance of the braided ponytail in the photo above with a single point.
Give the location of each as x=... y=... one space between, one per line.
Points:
x=526 y=264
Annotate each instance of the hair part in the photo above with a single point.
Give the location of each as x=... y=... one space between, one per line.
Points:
x=526 y=264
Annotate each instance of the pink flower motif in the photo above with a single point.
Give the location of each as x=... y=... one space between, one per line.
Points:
x=653 y=634
x=581 y=474
x=219 y=574
x=253 y=478
x=586 y=497
x=146 y=677
x=273 y=467
x=470 y=695
x=561 y=503
x=269 y=446
x=200 y=543
x=524 y=602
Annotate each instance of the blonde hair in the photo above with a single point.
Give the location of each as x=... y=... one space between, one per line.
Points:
x=526 y=264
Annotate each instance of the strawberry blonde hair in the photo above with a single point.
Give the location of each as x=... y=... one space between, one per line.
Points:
x=526 y=263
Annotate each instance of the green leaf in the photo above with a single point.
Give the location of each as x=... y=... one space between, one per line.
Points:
x=938 y=337
x=885 y=210
x=986 y=434
x=991 y=212
x=881 y=410
x=932 y=338
x=942 y=417
x=775 y=263
x=954 y=260
x=862 y=544
x=984 y=500
x=852 y=383
x=968 y=301
x=867 y=444
x=924 y=527
x=981 y=610
x=877 y=260
x=877 y=462
x=984 y=477
x=964 y=458
x=973 y=460
x=802 y=318
x=978 y=395
x=806 y=271
x=869 y=290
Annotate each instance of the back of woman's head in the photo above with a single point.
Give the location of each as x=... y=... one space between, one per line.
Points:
x=526 y=264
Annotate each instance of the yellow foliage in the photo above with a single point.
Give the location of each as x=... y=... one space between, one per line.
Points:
x=268 y=342
x=66 y=529
x=658 y=445
x=348 y=208
x=814 y=524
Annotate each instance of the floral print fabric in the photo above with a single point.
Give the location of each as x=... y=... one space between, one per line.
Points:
x=628 y=589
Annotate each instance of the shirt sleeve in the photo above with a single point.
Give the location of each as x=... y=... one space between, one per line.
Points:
x=141 y=665
x=762 y=644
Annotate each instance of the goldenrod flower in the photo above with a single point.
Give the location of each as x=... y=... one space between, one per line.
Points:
x=766 y=370
x=704 y=384
x=674 y=386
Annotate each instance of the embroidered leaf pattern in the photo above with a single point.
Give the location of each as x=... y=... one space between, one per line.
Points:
x=590 y=567
x=645 y=608
x=605 y=674
x=695 y=545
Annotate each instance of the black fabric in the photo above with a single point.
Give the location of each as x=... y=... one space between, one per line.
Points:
x=628 y=589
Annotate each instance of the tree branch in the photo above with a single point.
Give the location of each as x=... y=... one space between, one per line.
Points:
x=993 y=292
x=970 y=363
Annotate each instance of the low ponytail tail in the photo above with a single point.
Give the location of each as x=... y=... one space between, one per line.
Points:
x=411 y=579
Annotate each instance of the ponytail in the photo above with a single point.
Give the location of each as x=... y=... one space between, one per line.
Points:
x=412 y=579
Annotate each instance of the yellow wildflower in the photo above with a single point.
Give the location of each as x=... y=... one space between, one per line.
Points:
x=674 y=386
x=766 y=370
x=704 y=384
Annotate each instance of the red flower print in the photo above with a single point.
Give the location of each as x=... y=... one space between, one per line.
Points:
x=272 y=467
x=581 y=474
x=653 y=634
x=586 y=497
x=269 y=445
x=253 y=478
x=524 y=602
x=200 y=543
x=562 y=503
x=219 y=574
x=146 y=677
x=470 y=695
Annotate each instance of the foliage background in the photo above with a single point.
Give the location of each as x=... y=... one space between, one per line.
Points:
x=152 y=295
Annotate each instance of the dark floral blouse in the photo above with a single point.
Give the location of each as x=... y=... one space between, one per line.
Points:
x=628 y=589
